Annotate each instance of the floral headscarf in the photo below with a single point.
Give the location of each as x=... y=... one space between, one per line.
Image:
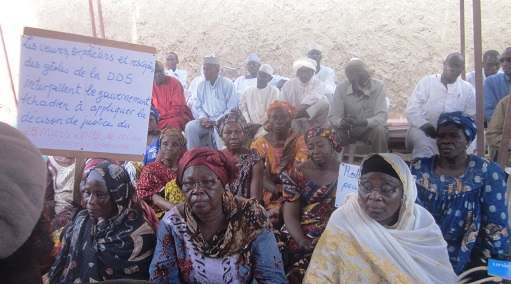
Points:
x=459 y=118
x=120 y=247
x=327 y=133
x=234 y=116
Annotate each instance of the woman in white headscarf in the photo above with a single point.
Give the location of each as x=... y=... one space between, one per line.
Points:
x=381 y=235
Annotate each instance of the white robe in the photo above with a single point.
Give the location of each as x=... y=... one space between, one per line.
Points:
x=357 y=249
x=430 y=99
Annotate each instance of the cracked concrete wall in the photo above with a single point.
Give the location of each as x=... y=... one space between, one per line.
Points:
x=400 y=40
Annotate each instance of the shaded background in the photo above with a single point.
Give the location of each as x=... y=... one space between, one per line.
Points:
x=400 y=40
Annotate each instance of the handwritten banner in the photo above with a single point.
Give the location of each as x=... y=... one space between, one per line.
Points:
x=81 y=96
x=347 y=182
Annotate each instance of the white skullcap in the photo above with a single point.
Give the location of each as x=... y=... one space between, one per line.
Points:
x=252 y=57
x=304 y=62
x=22 y=189
x=266 y=68
x=211 y=59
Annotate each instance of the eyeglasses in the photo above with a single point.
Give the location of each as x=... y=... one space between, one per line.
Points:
x=387 y=190
x=203 y=184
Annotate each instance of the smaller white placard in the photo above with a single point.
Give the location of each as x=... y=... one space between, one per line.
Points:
x=347 y=182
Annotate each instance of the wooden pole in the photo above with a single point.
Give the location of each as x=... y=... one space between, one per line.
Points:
x=79 y=166
x=462 y=35
x=506 y=135
x=478 y=55
x=8 y=67
x=101 y=23
x=92 y=18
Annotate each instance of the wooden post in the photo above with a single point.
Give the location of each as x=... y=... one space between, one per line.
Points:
x=101 y=23
x=506 y=135
x=92 y=18
x=8 y=67
x=79 y=166
x=478 y=50
x=462 y=35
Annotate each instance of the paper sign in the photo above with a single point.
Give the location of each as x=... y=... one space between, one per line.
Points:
x=84 y=96
x=347 y=182
x=499 y=268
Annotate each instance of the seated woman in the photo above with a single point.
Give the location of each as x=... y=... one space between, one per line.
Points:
x=249 y=178
x=465 y=194
x=381 y=235
x=214 y=237
x=309 y=199
x=281 y=149
x=153 y=185
x=111 y=239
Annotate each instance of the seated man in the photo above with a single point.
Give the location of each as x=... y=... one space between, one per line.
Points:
x=307 y=95
x=180 y=74
x=497 y=86
x=433 y=95
x=242 y=83
x=496 y=128
x=215 y=98
x=168 y=99
x=359 y=109
x=255 y=100
x=491 y=65
x=324 y=73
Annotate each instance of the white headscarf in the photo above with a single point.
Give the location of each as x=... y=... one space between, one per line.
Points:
x=413 y=249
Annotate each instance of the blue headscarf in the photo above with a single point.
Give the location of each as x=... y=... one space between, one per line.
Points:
x=154 y=113
x=459 y=118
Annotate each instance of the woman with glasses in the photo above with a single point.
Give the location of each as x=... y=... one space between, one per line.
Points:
x=381 y=235
x=214 y=237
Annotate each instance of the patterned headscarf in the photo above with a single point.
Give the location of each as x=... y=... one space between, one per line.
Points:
x=173 y=132
x=280 y=105
x=154 y=113
x=459 y=118
x=120 y=247
x=223 y=167
x=234 y=116
x=327 y=133
x=246 y=218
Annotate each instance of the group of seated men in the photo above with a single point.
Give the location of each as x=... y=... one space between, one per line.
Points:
x=356 y=107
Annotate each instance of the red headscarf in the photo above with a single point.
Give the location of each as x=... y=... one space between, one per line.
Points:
x=223 y=167
x=280 y=105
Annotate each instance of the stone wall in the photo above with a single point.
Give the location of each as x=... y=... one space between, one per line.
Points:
x=400 y=40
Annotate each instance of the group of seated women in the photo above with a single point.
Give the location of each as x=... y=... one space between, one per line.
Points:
x=265 y=212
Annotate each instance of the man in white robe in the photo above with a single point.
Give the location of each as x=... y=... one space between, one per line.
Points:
x=172 y=70
x=307 y=95
x=433 y=95
x=255 y=100
x=242 y=83
x=323 y=73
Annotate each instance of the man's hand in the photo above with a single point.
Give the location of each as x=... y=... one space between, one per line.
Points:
x=429 y=130
x=351 y=121
x=360 y=122
x=302 y=111
x=206 y=123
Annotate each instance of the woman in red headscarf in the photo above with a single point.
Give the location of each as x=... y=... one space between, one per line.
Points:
x=214 y=237
x=281 y=148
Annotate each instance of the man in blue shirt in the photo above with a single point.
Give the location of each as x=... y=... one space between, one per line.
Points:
x=215 y=98
x=497 y=86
